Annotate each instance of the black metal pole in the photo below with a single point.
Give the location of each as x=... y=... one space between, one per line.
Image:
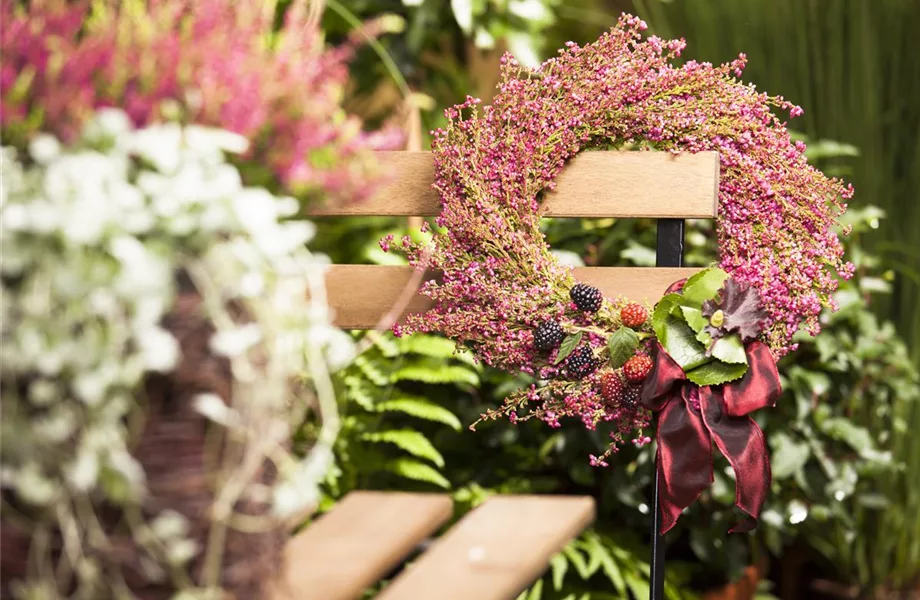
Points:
x=669 y=253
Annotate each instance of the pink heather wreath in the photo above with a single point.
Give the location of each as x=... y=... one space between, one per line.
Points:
x=506 y=298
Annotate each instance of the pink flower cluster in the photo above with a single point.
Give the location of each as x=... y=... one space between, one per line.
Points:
x=214 y=62
x=776 y=218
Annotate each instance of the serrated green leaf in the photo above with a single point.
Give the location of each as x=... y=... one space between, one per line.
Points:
x=356 y=390
x=694 y=318
x=705 y=338
x=622 y=344
x=409 y=440
x=729 y=349
x=417 y=471
x=703 y=286
x=559 y=566
x=681 y=344
x=716 y=372
x=440 y=374
x=663 y=311
x=421 y=408
x=568 y=345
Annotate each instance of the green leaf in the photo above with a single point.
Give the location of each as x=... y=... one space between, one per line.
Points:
x=427 y=345
x=600 y=553
x=421 y=408
x=703 y=286
x=681 y=344
x=559 y=566
x=536 y=592
x=694 y=318
x=409 y=440
x=856 y=437
x=440 y=374
x=575 y=557
x=568 y=345
x=417 y=471
x=622 y=344
x=729 y=349
x=716 y=372
x=788 y=455
x=662 y=313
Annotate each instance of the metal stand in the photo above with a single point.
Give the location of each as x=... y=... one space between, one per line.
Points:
x=669 y=253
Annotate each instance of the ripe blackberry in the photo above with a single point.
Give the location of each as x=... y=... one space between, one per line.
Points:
x=633 y=315
x=637 y=368
x=581 y=363
x=547 y=335
x=630 y=397
x=586 y=297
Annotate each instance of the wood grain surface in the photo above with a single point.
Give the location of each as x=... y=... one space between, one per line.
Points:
x=496 y=551
x=357 y=543
x=593 y=184
x=362 y=294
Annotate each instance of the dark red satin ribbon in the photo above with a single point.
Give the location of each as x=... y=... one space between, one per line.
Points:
x=686 y=431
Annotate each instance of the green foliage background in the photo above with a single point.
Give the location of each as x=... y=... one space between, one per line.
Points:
x=846 y=492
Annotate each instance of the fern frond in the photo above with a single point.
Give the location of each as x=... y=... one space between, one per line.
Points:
x=443 y=374
x=417 y=471
x=411 y=441
x=421 y=408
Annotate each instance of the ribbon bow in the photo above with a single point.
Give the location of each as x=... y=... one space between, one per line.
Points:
x=691 y=418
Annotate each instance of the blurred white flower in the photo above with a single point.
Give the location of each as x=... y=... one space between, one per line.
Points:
x=44 y=148
x=159 y=349
x=236 y=341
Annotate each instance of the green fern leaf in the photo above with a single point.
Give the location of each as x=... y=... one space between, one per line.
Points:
x=412 y=469
x=422 y=409
x=559 y=565
x=427 y=345
x=411 y=441
x=371 y=371
x=599 y=554
x=575 y=557
x=357 y=390
x=387 y=345
x=439 y=374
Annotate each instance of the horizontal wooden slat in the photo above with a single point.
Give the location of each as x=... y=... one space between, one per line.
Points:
x=593 y=184
x=357 y=543
x=361 y=295
x=495 y=551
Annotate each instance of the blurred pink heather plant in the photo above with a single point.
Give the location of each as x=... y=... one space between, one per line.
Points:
x=500 y=282
x=219 y=62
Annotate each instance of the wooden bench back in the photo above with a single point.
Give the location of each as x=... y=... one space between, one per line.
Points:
x=654 y=185
x=502 y=546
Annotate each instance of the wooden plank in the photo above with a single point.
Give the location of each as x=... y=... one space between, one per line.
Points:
x=361 y=295
x=496 y=551
x=358 y=542
x=593 y=184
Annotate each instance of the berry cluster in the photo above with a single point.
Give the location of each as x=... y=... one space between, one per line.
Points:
x=617 y=392
x=586 y=297
x=547 y=335
x=581 y=363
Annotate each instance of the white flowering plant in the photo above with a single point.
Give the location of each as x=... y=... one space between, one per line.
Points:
x=96 y=240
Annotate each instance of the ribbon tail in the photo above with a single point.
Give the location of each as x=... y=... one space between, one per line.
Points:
x=684 y=459
x=742 y=442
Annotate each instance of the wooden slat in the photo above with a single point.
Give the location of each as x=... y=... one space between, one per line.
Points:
x=496 y=551
x=358 y=542
x=362 y=294
x=593 y=184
